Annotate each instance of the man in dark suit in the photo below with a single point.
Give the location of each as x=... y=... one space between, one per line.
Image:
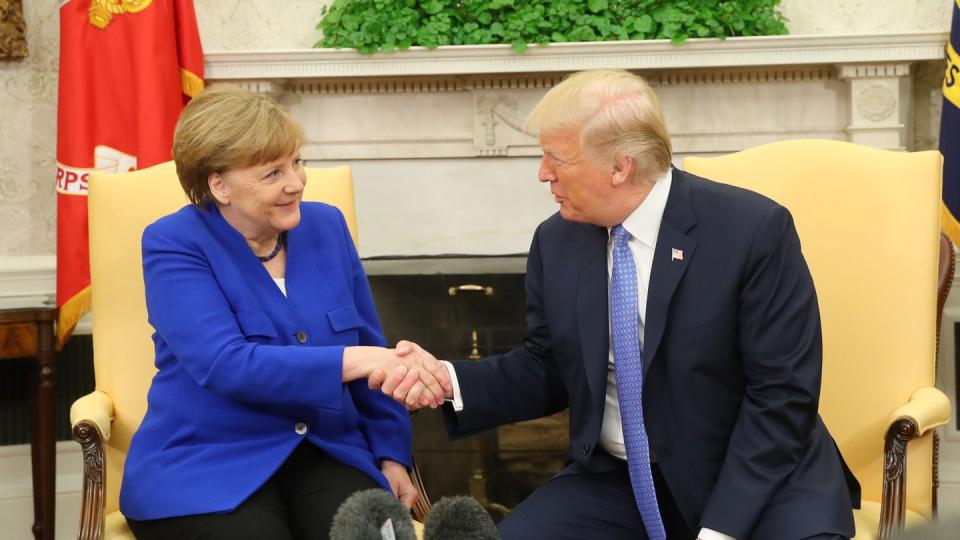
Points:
x=677 y=320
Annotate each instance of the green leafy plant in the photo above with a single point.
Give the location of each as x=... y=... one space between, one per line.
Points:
x=386 y=25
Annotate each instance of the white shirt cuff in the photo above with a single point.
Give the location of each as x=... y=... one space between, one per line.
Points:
x=709 y=534
x=457 y=399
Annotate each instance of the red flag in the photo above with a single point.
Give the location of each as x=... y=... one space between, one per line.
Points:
x=127 y=68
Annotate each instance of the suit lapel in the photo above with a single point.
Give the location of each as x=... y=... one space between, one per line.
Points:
x=671 y=257
x=592 y=315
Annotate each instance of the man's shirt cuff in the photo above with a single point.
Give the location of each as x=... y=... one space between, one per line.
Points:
x=708 y=534
x=457 y=399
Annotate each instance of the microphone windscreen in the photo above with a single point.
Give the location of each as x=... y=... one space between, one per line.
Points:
x=459 y=518
x=363 y=514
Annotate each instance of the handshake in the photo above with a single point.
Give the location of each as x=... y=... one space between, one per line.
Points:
x=407 y=373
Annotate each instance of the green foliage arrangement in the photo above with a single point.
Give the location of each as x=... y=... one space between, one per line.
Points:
x=385 y=25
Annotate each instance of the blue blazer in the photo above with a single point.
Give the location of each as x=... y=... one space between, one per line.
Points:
x=245 y=373
x=731 y=356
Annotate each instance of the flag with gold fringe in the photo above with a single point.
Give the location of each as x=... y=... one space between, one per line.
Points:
x=950 y=133
x=127 y=68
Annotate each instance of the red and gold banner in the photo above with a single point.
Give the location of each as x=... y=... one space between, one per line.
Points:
x=127 y=68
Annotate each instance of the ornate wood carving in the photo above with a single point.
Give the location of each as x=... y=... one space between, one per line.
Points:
x=936 y=471
x=894 y=498
x=94 y=480
x=946 y=268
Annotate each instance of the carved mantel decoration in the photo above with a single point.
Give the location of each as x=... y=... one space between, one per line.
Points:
x=497 y=88
x=13 y=30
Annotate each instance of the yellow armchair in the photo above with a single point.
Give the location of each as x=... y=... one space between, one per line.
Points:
x=120 y=207
x=869 y=224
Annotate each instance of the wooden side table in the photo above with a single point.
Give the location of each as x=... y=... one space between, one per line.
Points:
x=27 y=330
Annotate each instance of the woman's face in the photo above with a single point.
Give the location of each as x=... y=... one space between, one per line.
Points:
x=263 y=200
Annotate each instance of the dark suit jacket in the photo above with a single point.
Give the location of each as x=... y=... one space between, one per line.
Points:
x=245 y=373
x=731 y=357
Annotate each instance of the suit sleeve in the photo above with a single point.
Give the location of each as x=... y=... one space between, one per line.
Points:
x=520 y=385
x=781 y=351
x=193 y=317
x=386 y=423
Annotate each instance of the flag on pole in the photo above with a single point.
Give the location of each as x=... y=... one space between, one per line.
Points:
x=950 y=134
x=127 y=68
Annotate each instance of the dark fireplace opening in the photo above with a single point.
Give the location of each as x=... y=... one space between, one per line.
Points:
x=468 y=316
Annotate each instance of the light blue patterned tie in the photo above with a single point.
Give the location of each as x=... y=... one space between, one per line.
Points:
x=625 y=329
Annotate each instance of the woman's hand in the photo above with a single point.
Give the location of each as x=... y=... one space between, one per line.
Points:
x=412 y=386
x=400 y=482
x=428 y=381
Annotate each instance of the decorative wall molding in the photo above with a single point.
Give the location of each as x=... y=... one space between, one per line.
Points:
x=732 y=76
x=467 y=83
x=563 y=57
x=863 y=71
x=29 y=275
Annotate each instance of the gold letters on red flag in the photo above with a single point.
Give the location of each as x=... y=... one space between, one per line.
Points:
x=127 y=68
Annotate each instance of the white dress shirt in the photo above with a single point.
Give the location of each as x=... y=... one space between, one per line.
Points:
x=644 y=228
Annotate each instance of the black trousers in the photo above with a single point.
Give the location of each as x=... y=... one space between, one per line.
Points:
x=595 y=506
x=297 y=503
x=585 y=506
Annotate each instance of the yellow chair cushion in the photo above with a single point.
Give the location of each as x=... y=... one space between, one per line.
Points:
x=116 y=527
x=867 y=520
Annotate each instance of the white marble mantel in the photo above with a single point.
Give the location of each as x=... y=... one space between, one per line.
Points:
x=442 y=165
x=740 y=52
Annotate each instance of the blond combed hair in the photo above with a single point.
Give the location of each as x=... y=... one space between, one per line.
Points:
x=616 y=114
x=224 y=128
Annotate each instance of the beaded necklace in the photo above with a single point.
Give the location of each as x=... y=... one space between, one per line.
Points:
x=281 y=239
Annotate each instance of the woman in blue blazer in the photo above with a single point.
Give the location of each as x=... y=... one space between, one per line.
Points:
x=259 y=421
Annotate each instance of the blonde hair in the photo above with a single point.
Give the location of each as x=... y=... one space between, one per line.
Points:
x=225 y=128
x=616 y=113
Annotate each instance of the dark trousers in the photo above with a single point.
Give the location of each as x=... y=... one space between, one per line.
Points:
x=580 y=505
x=297 y=502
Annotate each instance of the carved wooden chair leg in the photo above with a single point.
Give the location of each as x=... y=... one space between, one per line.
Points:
x=894 y=497
x=94 y=480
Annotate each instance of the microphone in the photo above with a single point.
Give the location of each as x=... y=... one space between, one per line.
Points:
x=365 y=516
x=459 y=518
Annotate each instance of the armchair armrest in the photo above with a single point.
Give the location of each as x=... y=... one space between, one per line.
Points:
x=95 y=407
x=90 y=418
x=926 y=409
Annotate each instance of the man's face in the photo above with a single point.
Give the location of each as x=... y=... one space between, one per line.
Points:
x=582 y=189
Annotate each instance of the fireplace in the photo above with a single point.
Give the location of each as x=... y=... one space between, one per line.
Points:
x=468 y=316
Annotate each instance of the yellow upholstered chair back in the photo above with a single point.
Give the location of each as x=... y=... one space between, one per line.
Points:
x=120 y=207
x=869 y=224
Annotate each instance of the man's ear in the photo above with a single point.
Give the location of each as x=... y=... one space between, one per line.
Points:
x=218 y=188
x=624 y=169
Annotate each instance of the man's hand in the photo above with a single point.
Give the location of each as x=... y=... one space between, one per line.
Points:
x=420 y=381
x=410 y=361
x=400 y=482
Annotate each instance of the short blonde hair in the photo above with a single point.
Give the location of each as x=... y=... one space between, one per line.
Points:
x=616 y=113
x=224 y=128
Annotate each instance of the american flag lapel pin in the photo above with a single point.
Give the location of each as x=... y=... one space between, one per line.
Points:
x=676 y=254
